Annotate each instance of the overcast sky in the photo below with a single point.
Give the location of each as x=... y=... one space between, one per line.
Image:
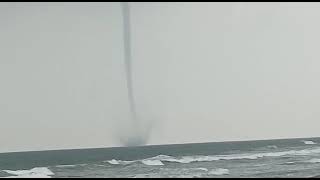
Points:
x=202 y=72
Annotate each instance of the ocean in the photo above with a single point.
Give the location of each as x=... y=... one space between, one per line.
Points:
x=264 y=158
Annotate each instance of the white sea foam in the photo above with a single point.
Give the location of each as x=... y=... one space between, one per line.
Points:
x=29 y=176
x=151 y=162
x=160 y=157
x=192 y=169
x=189 y=159
x=219 y=172
x=272 y=147
x=113 y=161
x=187 y=176
x=309 y=142
x=37 y=172
x=202 y=169
x=158 y=160
x=119 y=162
x=289 y=162
x=164 y=158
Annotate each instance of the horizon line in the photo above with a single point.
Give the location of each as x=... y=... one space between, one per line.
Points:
x=153 y=145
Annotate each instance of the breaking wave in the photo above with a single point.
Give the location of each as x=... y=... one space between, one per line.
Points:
x=272 y=147
x=201 y=169
x=158 y=160
x=219 y=172
x=152 y=162
x=119 y=162
x=37 y=172
x=309 y=142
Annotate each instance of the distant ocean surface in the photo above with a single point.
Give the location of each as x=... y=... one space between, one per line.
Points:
x=264 y=158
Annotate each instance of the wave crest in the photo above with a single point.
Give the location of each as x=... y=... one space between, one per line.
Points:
x=151 y=162
x=119 y=162
x=37 y=172
x=219 y=172
x=158 y=160
x=309 y=142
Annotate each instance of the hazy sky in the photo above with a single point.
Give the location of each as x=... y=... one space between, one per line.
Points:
x=202 y=72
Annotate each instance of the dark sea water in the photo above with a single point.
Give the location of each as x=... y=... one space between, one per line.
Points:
x=265 y=158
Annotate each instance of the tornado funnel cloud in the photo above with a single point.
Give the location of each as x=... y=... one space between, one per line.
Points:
x=137 y=135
